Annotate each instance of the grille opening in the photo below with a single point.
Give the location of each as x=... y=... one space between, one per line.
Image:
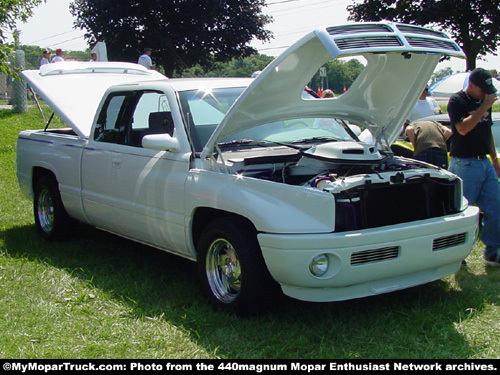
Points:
x=373 y=206
x=368 y=42
x=420 y=30
x=374 y=255
x=448 y=241
x=429 y=43
x=351 y=29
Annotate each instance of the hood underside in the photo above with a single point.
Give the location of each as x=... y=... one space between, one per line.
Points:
x=400 y=59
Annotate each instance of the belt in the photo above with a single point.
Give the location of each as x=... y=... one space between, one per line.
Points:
x=480 y=157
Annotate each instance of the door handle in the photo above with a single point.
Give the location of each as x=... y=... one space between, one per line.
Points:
x=116 y=163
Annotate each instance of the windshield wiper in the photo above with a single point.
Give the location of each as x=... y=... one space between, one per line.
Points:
x=240 y=142
x=315 y=139
x=263 y=143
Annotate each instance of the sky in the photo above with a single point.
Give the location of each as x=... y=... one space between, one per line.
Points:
x=51 y=27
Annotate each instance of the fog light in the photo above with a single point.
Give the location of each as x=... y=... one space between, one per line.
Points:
x=319 y=265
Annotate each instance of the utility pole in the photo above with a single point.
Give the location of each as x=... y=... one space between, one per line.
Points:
x=19 y=93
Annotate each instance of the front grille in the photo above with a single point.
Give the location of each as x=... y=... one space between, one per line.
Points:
x=358 y=29
x=448 y=241
x=431 y=43
x=398 y=37
x=378 y=205
x=374 y=255
x=368 y=42
x=420 y=30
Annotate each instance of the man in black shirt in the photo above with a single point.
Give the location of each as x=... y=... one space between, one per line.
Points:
x=470 y=143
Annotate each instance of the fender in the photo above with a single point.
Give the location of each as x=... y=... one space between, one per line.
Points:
x=271 y=207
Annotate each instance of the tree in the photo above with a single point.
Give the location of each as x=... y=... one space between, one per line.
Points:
x=182 y=33
x=340 y=74
x=12 y=11
x=441 y=74
x=474 y=24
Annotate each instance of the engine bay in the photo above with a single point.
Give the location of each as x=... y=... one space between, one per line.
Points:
x=372 y=188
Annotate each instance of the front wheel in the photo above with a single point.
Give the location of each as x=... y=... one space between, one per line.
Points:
x=51 y=219
x=231 y=267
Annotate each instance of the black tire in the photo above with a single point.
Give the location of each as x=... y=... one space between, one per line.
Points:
x=51 y=219
x=231 y=267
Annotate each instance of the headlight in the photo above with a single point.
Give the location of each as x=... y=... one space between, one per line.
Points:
x=319 y=265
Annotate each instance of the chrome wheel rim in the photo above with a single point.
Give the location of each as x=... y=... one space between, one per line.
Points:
x=45 y=211
x=223 y=270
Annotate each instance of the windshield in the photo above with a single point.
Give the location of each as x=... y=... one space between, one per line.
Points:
x=301 y=130
x=203 y=110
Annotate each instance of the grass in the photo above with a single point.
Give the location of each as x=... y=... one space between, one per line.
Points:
x=101 y=296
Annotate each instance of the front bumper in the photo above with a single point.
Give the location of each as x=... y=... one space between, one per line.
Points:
x=371 y=261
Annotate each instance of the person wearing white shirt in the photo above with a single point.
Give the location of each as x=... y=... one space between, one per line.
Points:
x=425 y=106
x=45 y=59
x=145 y=59
x=58 y=57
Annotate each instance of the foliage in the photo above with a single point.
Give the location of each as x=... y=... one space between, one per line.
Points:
x=438 y=74
x=101 y=296
x=182 y=33
x=12 y=11
x=340 y=74
x=33 y=54
x=474 y=24
x=234 y=68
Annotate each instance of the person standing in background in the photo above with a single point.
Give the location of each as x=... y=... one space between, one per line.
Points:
x=425 y=106
x=470 y=143
x=58 y=57
x=145 y=59
x=45 y=57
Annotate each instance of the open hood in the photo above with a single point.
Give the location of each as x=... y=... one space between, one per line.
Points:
x=74 y=89
x=400 y=59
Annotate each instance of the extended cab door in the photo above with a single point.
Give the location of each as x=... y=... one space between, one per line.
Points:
x=98 y=161
x=143 y=188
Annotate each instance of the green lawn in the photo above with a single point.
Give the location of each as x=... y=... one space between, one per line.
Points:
x=100 y=296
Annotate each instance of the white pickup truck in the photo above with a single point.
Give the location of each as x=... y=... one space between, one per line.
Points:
x=268 y=188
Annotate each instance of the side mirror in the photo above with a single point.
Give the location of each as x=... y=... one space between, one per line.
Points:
x=162 y=142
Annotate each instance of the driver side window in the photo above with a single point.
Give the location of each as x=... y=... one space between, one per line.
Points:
x=151 y=116
x=111 y=125
x=127 y=117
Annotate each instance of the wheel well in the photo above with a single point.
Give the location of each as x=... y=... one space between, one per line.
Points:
x=204 y=215
x=38 y=173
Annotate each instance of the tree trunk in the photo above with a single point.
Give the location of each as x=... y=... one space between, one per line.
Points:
x=471 y=61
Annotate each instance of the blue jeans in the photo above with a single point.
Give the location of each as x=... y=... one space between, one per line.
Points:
x=435 y=156
x=481 y=187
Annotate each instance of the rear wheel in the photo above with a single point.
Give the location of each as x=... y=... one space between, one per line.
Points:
x=51 y=219
x=232 y=270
